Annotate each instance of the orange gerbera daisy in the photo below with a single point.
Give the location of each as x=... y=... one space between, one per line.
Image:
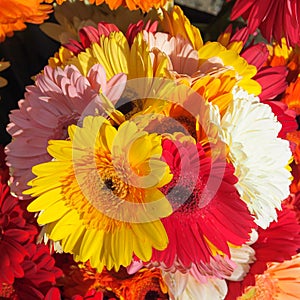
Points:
x=292 y=96
x=144 y=5
x=14 y=14
x=280 y=281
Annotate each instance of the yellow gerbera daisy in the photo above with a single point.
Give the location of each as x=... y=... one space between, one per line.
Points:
x=116 y=56
x=99 y=196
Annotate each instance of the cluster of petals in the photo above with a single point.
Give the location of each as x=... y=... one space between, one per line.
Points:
x=214 y=142
x=27 y=269
x=274 y=19
x=14 y=14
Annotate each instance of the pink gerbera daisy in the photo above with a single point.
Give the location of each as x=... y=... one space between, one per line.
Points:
x=206 y=217
x=275 y=19
x=57 y=100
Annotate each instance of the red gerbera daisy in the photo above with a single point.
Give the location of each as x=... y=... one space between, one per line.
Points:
x=15 y=234
x=40 y=274
x=208 y=212
x=276 y=19
x=277 y=243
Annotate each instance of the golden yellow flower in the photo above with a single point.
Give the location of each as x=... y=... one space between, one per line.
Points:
x=99 y=196
x=175 y=22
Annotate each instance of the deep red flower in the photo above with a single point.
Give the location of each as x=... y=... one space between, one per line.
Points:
x=279 y=242
x=275 y=19
x=272 y=79
x=273 y=83
x=208 y=209
x=134 y=29
x=15 y=234
x=293 y=203
x=90 y=295
x=40 y=273
x=285 y=116
x=89 y=34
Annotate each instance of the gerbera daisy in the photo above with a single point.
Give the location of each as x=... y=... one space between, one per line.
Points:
x=15 y=235
x=184 y=286
x=57 y=100
x=144 y=283
x=279 y=281
x=14 y=14
x=291 y=96
x=275 y=244
x=40 y=274
x=251 y=127
x=122 y=168
x=203 y=195
x=176 y=23
x=275 y=19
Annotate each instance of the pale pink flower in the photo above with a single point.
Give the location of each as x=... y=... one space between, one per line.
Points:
x=58 y=99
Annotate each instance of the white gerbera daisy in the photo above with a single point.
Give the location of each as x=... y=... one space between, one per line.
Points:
x=258 y=155
x=186 y=287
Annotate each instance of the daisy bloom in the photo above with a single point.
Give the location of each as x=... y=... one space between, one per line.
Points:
x=15 y=13
x=293 y=203
x=57 y=100
x=175 y=23
x=40 y=274
x=117 y=165
x=142 y=284
x=279 y=281
x=274 y=19
x=200 y=216
x=279 y=242
x=15 y=235
x=185 y=286
x=291 y=96
x=247 y=124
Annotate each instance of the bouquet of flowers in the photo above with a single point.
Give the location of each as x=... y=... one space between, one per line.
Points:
x=147 y=162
